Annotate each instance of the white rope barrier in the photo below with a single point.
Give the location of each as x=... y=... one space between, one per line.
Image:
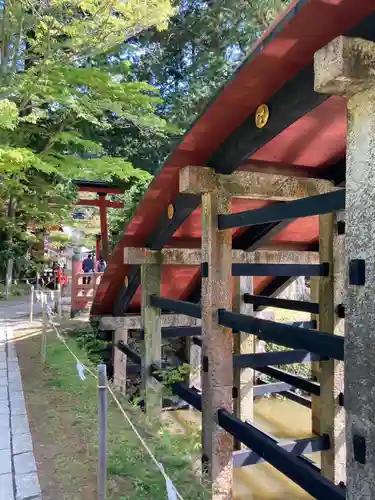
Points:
x=172 y=492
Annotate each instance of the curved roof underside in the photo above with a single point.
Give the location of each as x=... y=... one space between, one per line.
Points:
x=306 y=136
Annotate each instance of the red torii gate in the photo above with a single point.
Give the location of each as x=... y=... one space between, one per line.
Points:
x=102 y=189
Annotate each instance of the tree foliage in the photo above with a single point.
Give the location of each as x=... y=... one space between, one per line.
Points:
x=58 y=99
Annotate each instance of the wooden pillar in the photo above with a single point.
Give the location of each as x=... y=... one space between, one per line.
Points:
x=315 y=365
x=103 y=225
x=97 y=247
x=243 y=343
x=151 y=322
x=331 y=296
x=119 y=360
x=217 y=345
x=346 y=66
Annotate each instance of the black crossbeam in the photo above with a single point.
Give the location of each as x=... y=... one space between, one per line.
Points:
x=288 y=464
x=272 y=388
x=126 y=294
x=304 y=207
x=280 y=269
x=169 y=332
x=177 y=306
x=293 y=305
x=191 y=396
x=242 y=458
x=310 y=325
x=274 y=269
x=134 y=356
x=273 y=358
x=324 y=344
x=184 y=205
x=297 y=398
x=294 y=380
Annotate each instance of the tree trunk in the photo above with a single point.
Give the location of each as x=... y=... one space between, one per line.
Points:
x=9 y=271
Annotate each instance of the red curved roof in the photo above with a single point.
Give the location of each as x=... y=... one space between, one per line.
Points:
x=316 y=140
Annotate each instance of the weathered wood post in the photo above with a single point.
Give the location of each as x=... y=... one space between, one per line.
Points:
x=315 y=365
x=119 y=359
x=151 y=323
x=217 y=343
x=346 y=66
x=243 y=343
x=331 y=299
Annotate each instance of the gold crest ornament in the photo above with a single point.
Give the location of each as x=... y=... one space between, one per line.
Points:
x=262 y=115
x=170 y=211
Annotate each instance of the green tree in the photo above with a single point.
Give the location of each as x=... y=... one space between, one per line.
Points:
x=57 y=99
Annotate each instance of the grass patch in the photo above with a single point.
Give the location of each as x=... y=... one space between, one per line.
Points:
x=131 y=473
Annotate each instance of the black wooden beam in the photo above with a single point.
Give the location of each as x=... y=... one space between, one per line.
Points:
x=291 y=102
x=324 y=344
x=280 y=269
x=184 y=205
x=287 y=270
x=168 y=332
x=294 y=380
x=177 y=306
x=191 y=396
x=126 y=294
x=263 y=359
x=275 y=287
x=242 y=458
x=134 y=356
x=293 y=467
x=303 y=207
x=272 y=388
x=258 y=236
x=293 y=305
x=310 y=325
x=297 y=398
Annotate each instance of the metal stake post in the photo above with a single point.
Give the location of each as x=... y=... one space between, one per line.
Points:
x=44 y=327
x=102 y=417
x=31 y=304
x=59 y=304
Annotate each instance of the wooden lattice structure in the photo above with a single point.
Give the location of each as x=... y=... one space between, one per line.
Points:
x=274 y=181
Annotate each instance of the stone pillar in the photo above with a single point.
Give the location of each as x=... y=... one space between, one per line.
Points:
x=195 y=366
x=151 y=323
x=331 y=300
x=346 y=66
x=217 y=345
x=75 y=304
x=243 y=343
x=119 y=360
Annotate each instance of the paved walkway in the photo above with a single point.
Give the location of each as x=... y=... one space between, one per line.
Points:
x=18 y=473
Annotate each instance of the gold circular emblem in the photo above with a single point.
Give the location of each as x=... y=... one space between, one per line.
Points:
x=262 y=115
x=170 y=211
x=126 y=281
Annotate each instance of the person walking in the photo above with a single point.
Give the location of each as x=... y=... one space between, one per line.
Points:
x=87 y=268
x=102 y=265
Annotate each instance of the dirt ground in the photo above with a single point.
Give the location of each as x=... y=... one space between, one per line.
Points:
x=66 y=469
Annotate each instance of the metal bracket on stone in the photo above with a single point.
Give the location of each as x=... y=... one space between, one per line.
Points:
x=357 y=272
x=341 y=227
x=205 y=364
x=359 y=449
x=340 y=310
